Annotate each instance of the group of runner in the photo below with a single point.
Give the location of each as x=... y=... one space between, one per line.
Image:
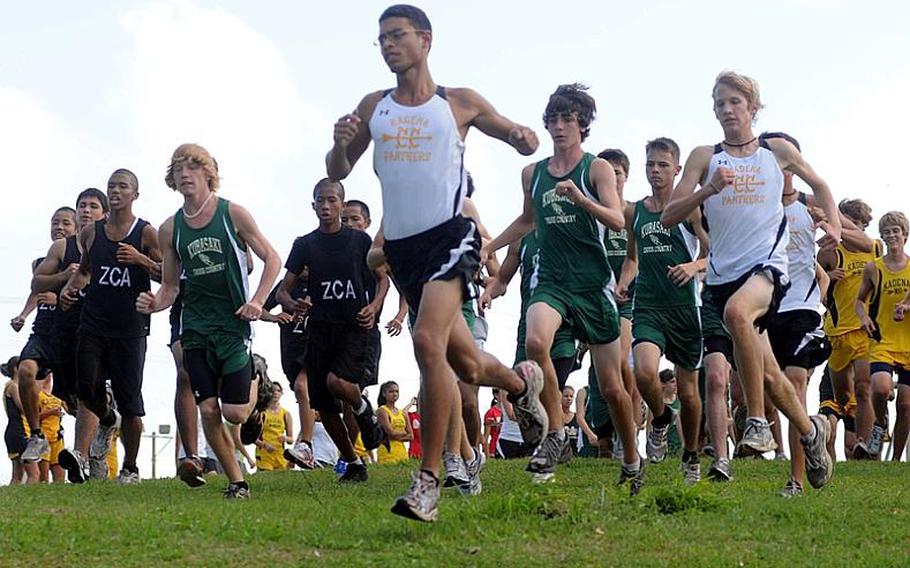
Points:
x=716 y=271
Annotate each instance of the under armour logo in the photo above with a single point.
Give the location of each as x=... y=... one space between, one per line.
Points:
x=384 y=112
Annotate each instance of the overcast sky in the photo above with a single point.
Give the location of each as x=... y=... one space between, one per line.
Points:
x=86 y=88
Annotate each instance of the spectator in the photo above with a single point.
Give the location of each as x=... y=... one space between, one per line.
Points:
x=325 y=454
x=411 y=410
x=17 y=432
x=569 y=420
x=492 y=424
x=277 y=430
x=394 y=423
x=50 y=413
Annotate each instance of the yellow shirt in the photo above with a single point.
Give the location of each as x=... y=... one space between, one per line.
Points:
x=50 y=425
x=273 y=428
x=397 y=451
x=890 y=288
x=841 y=317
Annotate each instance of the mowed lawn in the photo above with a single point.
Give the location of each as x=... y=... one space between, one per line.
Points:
x=581 y=519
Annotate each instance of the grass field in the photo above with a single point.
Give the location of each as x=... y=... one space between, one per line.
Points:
x=862 y=518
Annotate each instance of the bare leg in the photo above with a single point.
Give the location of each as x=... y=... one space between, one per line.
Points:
x=131 y=435
x=28 y=393
x=690 y=407
x=862 y=385
x=606 y=361
x=219 y=439
x=337 y=431
x=185 y=411
x=716 y=381
x=745 y=306
x=901 y=423
x=470 y=413
x=542 y=324
x=782 y=392
x=305 y=412
x=647 y=359
x=799 y=378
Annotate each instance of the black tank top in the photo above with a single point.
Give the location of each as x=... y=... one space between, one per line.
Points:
x=109 y=309
x=67 y=321
x=44 y=316
x=14 y=423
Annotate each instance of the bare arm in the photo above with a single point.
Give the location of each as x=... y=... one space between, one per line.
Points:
x=630 y=265
x=865 y=289
x=50 y=273
x=823 y=281
x=469 y=210
x=581 y=399
x=148 y=303
x=351 y=138
x=250 y=233
x=792 y=161
x=79 y=279
x=149 y=259
x=288 y=428
x=497 y=285
x=295 y=306
x=471 y=109
x=685 y=198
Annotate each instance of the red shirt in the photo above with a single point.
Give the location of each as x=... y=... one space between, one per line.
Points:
x=414 y=446
x=493 y=419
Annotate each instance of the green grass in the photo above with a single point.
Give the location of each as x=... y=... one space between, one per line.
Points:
x=581 y=519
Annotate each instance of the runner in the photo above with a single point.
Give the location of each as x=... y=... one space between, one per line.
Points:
x=741 y=182
x=665 y=318
x=570 y=197
x=419 y=130
x=849 y=361
x=37 y=357
x=207 y=242
x=120 y=255
x=885 y=283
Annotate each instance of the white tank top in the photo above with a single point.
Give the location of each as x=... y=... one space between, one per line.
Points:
x=418 y=155
x=803 y=293
x=746 y=220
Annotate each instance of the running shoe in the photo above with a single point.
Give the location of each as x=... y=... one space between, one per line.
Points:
x=236 y=491
x=546 y=456
x=355 y=472
x=301 y=455
x=128 y=477
x=36 y=447
x=720 y=470
x=74 y=464
x=97 y=469
x=819 y=466
x=251 y=429
x=635 y=479
x=104 y=437
x=757 y=439
x=691 y=471
x=792 y=489
x=656 y=445
x=876 y=440
x=370 y=431
x=191 y=471
x=567 y=454
x=861 y=451
x=421 y=502
x=474 y=486
x=456 y=471
x=529 y=412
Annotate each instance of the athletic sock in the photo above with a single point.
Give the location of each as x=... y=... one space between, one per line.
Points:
x=664 y=419
x=37 y=433
x=431 y=474
x=362 y=408
x=632 y=467
x=561 y=434
x=689 y=457
x=241 y=484
x=513 y=398
x=759 y=421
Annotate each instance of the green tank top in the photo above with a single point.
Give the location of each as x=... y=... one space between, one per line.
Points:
x=571 y=240
x=617 y=243
x=659 y=248
x=214 y=276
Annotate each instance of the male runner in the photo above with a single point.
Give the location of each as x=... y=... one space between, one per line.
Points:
x=119 y=257
x=617 y=243
x=885 y=283
x=665 y=318
x=741 y=186
x=37 y=357
x=206 y=242
x=419 y=130
x=570 y=197
x=849 y=362
x=795 y=333
x=341 y=326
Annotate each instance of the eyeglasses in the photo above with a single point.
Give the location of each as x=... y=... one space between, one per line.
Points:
x=393 y=36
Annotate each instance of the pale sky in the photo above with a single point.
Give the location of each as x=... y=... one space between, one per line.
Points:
x=87 y=88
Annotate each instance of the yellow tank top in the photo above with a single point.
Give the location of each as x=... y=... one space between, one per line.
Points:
x=273 y=428
x=841 y=317
x=397 y=451
x=891 y=288
x=50 y=425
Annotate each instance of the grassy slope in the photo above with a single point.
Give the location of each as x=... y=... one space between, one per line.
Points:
x=864 y=516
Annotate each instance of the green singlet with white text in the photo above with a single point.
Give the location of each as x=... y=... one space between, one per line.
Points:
x=658 y=249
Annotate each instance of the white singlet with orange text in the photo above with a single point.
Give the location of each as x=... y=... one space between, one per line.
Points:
x=746 y=220
x=419 y=157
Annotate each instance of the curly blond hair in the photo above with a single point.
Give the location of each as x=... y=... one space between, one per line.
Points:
x=199 y=155
x=745 y=85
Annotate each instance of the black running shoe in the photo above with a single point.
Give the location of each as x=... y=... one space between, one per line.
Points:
x=252 y=428
x=236 y=491
x=190 y=471
x=354 y=473
x=370 y=431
